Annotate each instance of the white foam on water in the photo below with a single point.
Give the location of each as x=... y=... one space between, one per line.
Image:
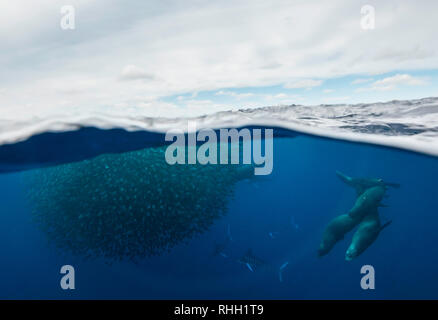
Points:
x=409 y=124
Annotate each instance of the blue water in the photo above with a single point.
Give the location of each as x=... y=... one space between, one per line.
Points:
x=303 y=185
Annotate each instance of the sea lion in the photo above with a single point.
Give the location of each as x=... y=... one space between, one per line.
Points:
x=370 y=194
x=367 y=202
x=368 y=231
x=362 y=184
x=335 y=231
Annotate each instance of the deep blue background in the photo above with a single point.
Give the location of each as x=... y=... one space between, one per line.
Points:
x=303 y=185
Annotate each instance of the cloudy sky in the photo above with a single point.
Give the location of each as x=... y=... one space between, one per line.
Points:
x=175 y=58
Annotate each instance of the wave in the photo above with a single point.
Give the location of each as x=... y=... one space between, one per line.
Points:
x=410 y=125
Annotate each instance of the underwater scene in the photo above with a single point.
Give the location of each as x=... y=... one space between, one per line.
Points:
x=135 y=227
x=205 y=151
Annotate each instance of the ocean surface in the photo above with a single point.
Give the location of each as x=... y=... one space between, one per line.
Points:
x=95 y=194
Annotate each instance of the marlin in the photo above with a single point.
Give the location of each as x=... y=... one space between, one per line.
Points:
x=251 y=261
x=229 y=237
x=273 y=234
x=280 y=271
x=293 y=223
x=219 y=249
x=362 y=184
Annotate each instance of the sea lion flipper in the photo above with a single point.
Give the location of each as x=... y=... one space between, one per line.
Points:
x=385 y=225
x=392 y=184
x=352 y=182
x=346 y=179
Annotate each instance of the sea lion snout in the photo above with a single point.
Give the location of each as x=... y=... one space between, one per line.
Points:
x=350 y=254
x=322 y=251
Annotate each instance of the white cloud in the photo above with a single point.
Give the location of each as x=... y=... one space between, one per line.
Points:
x=400 y=79
x=132 y=72
x=223 y=93
x=328 y=90
x=234 y=94
x=362 y=80
x=391 y=83
x=305 y=83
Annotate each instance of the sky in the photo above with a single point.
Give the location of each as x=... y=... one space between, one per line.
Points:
x=169 y=58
